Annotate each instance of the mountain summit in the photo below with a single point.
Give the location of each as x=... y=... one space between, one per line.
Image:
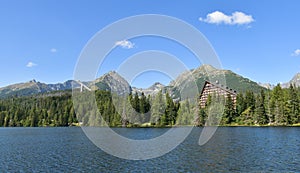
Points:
x=294 y=81
x=209 y=73
x=152 y=90
x=115 y=83
x=33 y=87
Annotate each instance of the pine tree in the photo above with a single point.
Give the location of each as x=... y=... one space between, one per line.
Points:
x=277 y=105
x=185 y=117
x=142 y=107
x=33 y=118
x=229 y=112
x=202 y=117
x=171 y=111
x=241 y=106
x=158 y=108
x=260 y=111
x=2 y=117
x=247 y=116
x=136 y=103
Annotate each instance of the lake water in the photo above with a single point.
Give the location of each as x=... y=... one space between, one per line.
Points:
x=232 y=149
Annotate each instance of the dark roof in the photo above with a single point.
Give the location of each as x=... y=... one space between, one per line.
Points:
x=219 y=86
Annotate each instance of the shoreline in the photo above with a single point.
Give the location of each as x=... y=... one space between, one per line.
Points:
x=153 y=126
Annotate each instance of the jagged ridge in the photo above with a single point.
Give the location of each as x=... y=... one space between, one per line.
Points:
x=113 y=82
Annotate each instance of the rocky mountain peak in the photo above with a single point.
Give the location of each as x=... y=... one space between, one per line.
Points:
x=208 y=67
x=152 y=90
x=32 y=81
x=205 y=68
x=111 y=75
x=296 y=77
x=115 y=83
x=294 y=81
x=156 y=85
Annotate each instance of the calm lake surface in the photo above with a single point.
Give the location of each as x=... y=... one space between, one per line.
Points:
x=232 y=149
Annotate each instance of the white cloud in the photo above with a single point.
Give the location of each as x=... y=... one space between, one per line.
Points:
x=31 y=64
x=241 y=18
x=125 y=44
x=296 y=52
x=53 y=50
x=216 y=17
x=236 y=18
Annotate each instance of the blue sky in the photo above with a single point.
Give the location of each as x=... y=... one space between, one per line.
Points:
x=42 y=39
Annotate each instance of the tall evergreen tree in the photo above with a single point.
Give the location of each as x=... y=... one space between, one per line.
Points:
x=158 y=108
x=292 y=105
x=241 y=105
x=277 y=105
x=171 y=110
x=260 y=111
x=202 y=117
x=229 y=112
x=185 y=116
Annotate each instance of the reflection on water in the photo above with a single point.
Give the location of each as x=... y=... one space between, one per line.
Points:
x=232 y=149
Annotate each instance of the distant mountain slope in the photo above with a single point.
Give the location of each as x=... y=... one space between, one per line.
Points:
x=20 y=89
x=33 y=87
x=267 y=85
x=294 y=81
x=209 y=73
x=61 y=86
x=240 y=83
x=112 y=81
x=152 y=90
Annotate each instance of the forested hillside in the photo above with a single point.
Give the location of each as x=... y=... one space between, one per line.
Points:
x=274 y=107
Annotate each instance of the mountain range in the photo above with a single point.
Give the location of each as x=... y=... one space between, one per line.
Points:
x=113 y=82
x=294 y=81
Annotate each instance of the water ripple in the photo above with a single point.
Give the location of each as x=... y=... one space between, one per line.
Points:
x=232 y=149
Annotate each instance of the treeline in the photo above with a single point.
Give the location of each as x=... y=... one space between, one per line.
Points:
x=55 y=109
x=131 y=111
x=36 y=111
x=58 y=110
x=159 y=110
x=274 y=107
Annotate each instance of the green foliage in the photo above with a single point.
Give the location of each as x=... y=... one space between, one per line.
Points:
x=239 y=83
x=273 y=107
x=37 y=110
x=201 y=118
x=158 y=109
x=171 y=111
x=185 y=114
x=260 y=110
x=229 y=111
x=241 y=104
